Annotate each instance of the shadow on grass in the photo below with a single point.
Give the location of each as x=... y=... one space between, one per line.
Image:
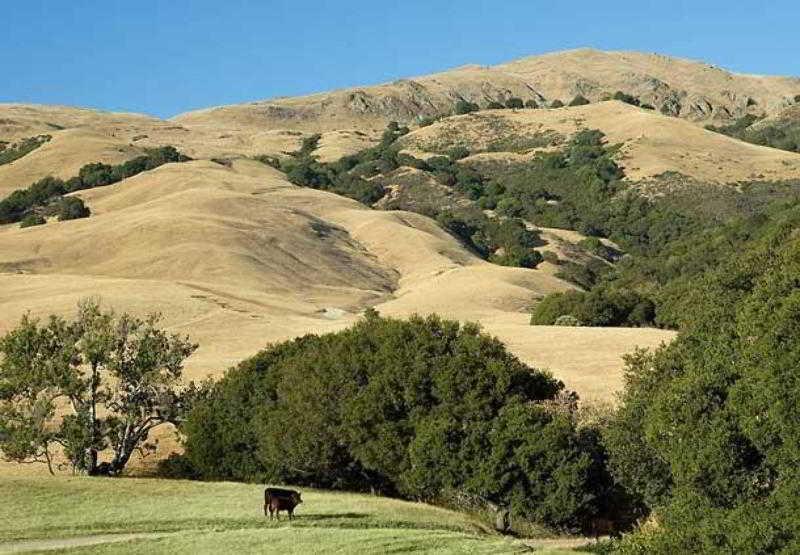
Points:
x=329 y=516
x=347 y=520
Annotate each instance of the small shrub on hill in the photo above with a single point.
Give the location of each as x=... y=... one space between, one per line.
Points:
x=457 y=153
x=626 y=98
x=597 y=247
x=465 y=107
x=551 y=257
x=428 y=120
x=72 y=208
x=579 y=100
x=272 y=161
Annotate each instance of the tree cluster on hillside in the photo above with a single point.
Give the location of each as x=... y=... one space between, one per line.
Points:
x=782 y=135
x=577 y=187
x=347 y=176
x=579 y=100
x=10 y=152
x=600 y=306
x=511 y=103
x=707 y=435
x=100 y=382
x=424 y=408
x=24 y=202
x=560 y=189
x=504 y=241
x=666 y=274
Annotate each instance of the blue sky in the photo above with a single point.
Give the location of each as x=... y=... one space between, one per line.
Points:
x=171 y=56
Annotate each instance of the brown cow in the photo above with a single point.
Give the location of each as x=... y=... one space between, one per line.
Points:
x=277 y=500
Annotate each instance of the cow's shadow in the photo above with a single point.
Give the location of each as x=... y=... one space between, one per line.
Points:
x=329 y=516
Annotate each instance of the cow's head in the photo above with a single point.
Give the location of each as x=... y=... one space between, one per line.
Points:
x=296 y=498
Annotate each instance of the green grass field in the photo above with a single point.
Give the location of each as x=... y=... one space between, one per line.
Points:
x=84 y=515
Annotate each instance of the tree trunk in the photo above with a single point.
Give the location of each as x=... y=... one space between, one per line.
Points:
x=91 y=452
x=126 y=448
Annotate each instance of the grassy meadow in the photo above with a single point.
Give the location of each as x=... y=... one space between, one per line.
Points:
x=85 y=515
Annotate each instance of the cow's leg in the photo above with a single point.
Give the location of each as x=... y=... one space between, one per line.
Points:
x=291 y=514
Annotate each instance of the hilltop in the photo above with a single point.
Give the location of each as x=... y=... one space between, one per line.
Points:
x=684 y=88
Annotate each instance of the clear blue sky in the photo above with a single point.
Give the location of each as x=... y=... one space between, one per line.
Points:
x=166 y=57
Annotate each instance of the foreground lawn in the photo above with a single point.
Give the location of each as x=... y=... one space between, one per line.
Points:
x=156 y=516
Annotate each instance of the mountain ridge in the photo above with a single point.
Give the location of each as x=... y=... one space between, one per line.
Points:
x=690 y=89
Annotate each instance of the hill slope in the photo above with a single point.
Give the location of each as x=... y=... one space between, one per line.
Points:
x=651 y=143
x=237 y=257
x=62 y=156
x=688 y=89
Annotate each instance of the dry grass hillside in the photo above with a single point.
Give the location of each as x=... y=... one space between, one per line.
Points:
x=651 y=143
x=62 y=156
x=81 y=136
x=790 y=115
x=688 y=89
x=237 y=257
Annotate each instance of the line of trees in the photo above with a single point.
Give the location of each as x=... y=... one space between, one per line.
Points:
x=10 y=152
x=783 y=135
x=24 y=202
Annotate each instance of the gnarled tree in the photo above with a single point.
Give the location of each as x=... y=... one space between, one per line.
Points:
x=99 y=383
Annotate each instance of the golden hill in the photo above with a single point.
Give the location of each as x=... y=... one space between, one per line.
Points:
x=689 y=89
x=62 y=156
x=652 y=143
x=237 y=257
x=82 y=136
